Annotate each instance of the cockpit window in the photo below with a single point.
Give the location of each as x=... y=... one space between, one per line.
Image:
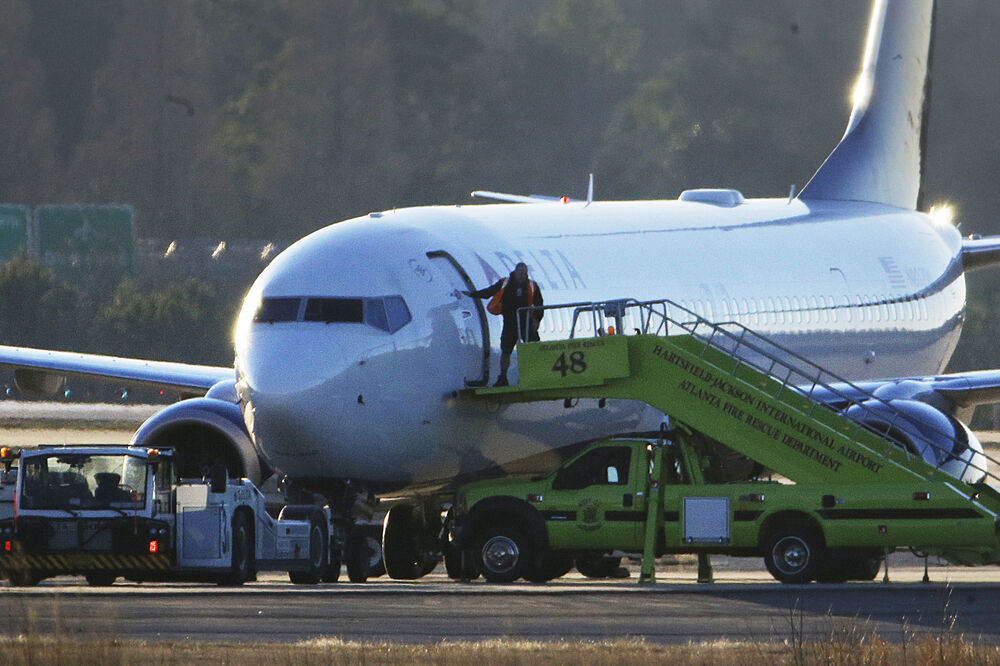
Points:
x=331 y=310
x=271 y=310
x=386 y=313
x=375 y=314
x=396 y=313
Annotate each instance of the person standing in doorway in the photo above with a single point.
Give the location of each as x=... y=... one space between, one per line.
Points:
x=507 y=296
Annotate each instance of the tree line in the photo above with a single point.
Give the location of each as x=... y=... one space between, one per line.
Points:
x=270 y=118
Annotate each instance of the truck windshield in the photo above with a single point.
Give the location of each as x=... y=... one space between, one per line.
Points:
x=83 y=481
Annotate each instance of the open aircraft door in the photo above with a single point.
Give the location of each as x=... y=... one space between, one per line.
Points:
x=470 y=319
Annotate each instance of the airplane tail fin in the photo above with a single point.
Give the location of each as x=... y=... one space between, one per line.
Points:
x=880 y=157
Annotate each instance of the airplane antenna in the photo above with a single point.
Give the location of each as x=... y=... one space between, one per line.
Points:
x=791 y=193
x=590 y=191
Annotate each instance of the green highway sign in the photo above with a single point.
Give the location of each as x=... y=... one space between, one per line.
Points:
x=14 y=222
x=86 y=242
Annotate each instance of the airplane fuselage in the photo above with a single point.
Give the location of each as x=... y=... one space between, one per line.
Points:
x=338 y=380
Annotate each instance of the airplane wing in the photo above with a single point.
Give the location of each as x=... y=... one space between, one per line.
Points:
x=968 y=389
x=181 y=377
x=978 y=252
x=962 y=389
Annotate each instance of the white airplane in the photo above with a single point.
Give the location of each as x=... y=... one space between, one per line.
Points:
x=353 y=344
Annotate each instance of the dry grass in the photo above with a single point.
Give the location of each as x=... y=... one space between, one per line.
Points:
x=929 y=650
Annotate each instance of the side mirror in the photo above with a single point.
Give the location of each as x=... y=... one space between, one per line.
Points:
x=218 y=478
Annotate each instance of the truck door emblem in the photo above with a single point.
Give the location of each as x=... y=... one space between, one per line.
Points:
x=589 y=515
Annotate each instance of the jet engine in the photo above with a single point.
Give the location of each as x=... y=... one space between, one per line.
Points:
x=38 y=382
x=204 y=432
x=923 y=429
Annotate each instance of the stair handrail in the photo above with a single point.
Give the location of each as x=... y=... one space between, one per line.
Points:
x=850 y=396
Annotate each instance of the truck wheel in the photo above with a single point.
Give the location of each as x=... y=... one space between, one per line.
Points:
x=242 y=565
x=317 y=553
x=101 y=578
x=598 y=566
x=504 y=554
x=552 y=566
x=793 y=556
x=358 y=555
x=23 y=578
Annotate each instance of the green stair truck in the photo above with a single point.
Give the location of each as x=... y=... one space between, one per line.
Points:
x=858 y=476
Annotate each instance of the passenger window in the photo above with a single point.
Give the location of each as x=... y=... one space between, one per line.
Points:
x=604 y=466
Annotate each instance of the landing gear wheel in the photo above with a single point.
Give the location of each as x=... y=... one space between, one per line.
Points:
x=376 y=565
x=401 y=550
x=460 y=563
x=839 y=567
x=866 y=567
x=504 y=554
x=317 y=553
x=242 y=567
x=552 y=566
x=358 y=554
x=101 y=578
x=331 y=573
x=793 y=556
x=597 y=566
x=23 y=578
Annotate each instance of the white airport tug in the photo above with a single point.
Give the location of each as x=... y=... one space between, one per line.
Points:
x=109 y=511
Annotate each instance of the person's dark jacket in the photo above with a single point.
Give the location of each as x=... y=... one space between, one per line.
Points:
x=514 y=297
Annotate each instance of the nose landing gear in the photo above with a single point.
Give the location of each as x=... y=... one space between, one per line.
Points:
x=354 y=537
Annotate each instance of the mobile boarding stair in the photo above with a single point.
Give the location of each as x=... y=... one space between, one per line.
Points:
x=757 y=398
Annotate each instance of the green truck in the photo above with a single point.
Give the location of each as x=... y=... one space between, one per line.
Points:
x=598 y=504
x=861 y=475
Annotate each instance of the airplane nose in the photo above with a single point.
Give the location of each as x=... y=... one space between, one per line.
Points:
x=310 y=388
x=317 y=348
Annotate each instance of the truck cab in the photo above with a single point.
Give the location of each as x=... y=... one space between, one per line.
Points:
x=91 y=510
x=109 y=511
x=595 y=503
